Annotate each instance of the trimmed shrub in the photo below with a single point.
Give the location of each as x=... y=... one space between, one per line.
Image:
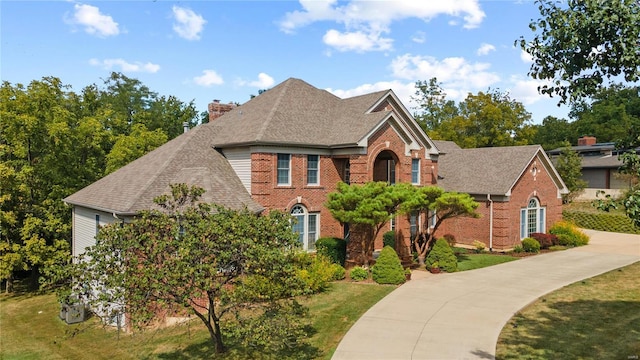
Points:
x=388 y=269
x=568 y=234
x=333 y=248
x=389 y=239
x=530 y=245
x=318 y=274
x=518 y=249
x=451 y=240
x=358 y=273
x=338 y=271
x=479 y=245
x=545 y=240
x=443 y=255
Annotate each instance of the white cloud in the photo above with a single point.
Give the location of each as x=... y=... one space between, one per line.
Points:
x=404 y=90
x=188 y=24
x=526 y=90
x=525 y=57
x=364 y=21
x=94 y=22
x=264 y=81
x=485 y=49
x=454 y=72
x=420 y=37
x=356 y=41
x=125 y=66
x=208 y=78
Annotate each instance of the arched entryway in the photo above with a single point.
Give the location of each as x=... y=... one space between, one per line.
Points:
x=385 y=167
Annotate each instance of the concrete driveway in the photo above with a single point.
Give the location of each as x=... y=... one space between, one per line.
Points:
x=460 y=315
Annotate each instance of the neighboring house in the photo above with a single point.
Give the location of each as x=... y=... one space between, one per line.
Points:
x=518 y=189
x=600 y=166
x=285 y=149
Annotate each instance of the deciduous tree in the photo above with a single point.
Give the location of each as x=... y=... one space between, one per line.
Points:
x=217 y=263
x=580 y=45
x=569 y=166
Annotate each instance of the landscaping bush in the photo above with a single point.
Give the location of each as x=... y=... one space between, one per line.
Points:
x=601 y=221
x=518 y=249
x=338 y=271
x=388 y=269
x=568 y=234
x=545 y=240
x=443 y=255
x=333 y=248
x=451 y=240
x=359 y=273
x=479 y=245
x=389 y=239
x=318 y=274
x=530 y=245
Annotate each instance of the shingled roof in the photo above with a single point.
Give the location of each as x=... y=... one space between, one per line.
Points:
x=189 y=158
x=492 y=170
x=296 y=113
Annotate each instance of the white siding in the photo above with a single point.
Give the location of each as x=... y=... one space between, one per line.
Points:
x=84 y=227
x=240 y=160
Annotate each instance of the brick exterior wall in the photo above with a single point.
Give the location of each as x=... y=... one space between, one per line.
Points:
x=385 y=141
x=506 y=214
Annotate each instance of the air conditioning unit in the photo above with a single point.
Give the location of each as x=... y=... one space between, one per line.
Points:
x=73 y=313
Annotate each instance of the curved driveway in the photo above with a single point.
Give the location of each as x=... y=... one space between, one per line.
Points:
x=460 y=315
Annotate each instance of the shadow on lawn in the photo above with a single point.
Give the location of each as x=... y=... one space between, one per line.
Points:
x=592 y=329
x=205 y=350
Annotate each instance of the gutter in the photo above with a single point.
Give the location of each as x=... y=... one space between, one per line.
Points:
x=490 y=222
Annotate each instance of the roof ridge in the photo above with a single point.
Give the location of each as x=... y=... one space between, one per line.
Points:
x=275 y=105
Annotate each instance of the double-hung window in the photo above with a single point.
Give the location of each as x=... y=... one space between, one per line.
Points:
x=284 y=169
x=313 y=167
x=415 y=171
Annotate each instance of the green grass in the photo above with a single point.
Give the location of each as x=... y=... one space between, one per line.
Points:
x=470 y=261
x=596 y=318
x=30 y=329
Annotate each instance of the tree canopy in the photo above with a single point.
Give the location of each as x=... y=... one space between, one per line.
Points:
x=54 y=141
x=217 y=263
x=484 y=119
x=580 y=45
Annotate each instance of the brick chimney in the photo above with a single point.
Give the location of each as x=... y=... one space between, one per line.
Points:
x=216 y=109
x=586 y=141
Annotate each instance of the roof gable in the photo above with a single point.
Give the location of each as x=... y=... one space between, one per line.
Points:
x=493 y=170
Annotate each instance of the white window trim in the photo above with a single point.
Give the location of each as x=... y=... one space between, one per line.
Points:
x=417 y=182
x=304 y=217
x=317 y=169
x=288 y=183
x=540 y=219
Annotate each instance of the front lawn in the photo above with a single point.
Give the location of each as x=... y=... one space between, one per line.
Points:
x=470 y=261
x=597 y=318
x=31 y=329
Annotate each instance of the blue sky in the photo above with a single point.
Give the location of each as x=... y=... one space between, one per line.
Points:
x=228 y=50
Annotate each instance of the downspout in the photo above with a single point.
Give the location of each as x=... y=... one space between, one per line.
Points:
x=490 y=222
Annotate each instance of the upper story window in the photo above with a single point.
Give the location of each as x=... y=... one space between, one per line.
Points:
x=284 y=169
x=97 y=223
x=415 y=171
x=313 y=166
x=347 y=172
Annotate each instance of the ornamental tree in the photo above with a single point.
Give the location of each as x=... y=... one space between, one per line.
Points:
x=206 y=260
x=367 y=208
x=569 y=166
x=445 y=205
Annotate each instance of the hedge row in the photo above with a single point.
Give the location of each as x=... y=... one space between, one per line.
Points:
x=601 y=221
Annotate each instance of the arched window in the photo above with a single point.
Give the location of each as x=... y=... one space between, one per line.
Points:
x=306 y=226
x=532 y=219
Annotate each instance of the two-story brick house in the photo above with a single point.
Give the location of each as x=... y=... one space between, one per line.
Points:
x=287 y=148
